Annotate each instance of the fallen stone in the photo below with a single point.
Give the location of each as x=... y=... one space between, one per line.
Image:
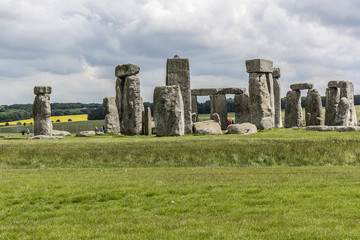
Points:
x=210 y=127
x=333 y=128
x=45 y=137
x=168 y=111
x=243 y=128
x=125 y=70
x=85 y=133
x=60 y=133
x=301 y=86
x=259 y=66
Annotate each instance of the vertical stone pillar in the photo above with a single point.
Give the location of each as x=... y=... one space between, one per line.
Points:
x=132 y=106
x=147 y=128
x=242 y=108
x=347 y=91
x=194 y=108
x=42 y=111
x=277 y=97
x=168 y=111
x=343 y=111
x=218 y=104
x=293 y=110
x=331 y=105
x=112 y=124
x=313 y=108
x=261 y=95
x=178 y=73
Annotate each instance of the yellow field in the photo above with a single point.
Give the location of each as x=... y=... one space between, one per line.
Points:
x=74 y=118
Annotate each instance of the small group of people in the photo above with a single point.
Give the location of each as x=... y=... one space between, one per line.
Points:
x=27 y=132
x=101 y=130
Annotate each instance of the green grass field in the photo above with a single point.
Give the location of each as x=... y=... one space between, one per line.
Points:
x=277 y=184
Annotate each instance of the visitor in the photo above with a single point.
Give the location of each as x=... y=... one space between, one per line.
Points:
x=28 y=132
x=96 y=129
x=102 y=129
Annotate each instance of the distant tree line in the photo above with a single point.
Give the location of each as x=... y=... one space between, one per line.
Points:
x=96 y=111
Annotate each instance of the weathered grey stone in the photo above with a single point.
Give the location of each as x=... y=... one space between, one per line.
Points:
x=259 y=66
x=331 y=105
x=337 y=84
x=270 y=84
x=342 y=116
x=194 y=109
x=260 y=99
x=85 y=133
x=207 y=127
x=301 y=86
x=132 y=106
x=216 y=91
x=147 y=121
x=347 y=90
x=293 y=110
x=42 y=90
x=277 y=102
x=218 y=104
x=242 y=108
x=119 y=96
x=45 y=137
x=112 y=124
x=216 y=118
x=333 y=128
x=313 y=108
x=42 y=111
x=125 y=70
x=60 y=133
x=168 y=111
x=243 y=128
x=276 y=73
x=178 y=73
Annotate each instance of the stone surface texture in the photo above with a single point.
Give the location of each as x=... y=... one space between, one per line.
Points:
x=313 y=108
x=42 y=111
x=218 y=104
x=45 y=137
x=277 y=101
x=301 y=86
x=210 y=127
x=125 y=70
x=259 y=66
x=60 y=133
x=331 y=105
x=347 y=91
x=131 y=106
x=112 y=124
x=194 y=109
x=342 y=115
x=168 y=111
x=260 y=99
x=216 y=91
x=293 y=110
x=243 y=128
x=333 y=128
x=178 y=73
x=242 y=108
x=216 y=118
x=276 y=73
x=118 y=99
x=147 y=121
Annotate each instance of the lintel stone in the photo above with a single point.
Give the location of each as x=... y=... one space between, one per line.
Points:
x=301 y=86
x=216 y=91
x=259 y=66
x=125 y=70
x=338 y=84
x=276 y=73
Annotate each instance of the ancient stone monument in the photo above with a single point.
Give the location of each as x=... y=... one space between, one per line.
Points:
x=313 y=108
x=178 y=73
x=261 y=92
x=218 y=104
x=293 y=110
x=210 y=127
x=128 y=99
x=277 y=97
x=42 y=111
x=340 y=109
x=147 y=122
x=242 y=108
x=112 y=124
x=168 y=111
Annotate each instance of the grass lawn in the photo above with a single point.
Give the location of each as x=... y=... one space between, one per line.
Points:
x=277 y=184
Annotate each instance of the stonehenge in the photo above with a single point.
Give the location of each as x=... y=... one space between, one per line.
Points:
x=277 y=97
x=112 y=124
x=218 y=104
x=42 y=111
x=147 y=122
x=293 y=110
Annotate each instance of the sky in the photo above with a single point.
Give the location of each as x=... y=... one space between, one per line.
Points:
x=74 y=46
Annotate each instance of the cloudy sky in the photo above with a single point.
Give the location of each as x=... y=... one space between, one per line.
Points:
x=74 y=46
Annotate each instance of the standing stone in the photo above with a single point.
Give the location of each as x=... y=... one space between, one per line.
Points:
x=194 y=108
x=218 y=104
x=293 y=111
x=261 y=112
x=242 y=108
x=112 y=124
x=342 y=116
x=277 y=97
x=168 y=111
x=347 y=90
x=131 y=106
x=331 y=105
x=178 y=73
x=42 y=111
x=313 y=108
x=215 y=117
x=119 y=95
x=147 y=122
x=261 y=92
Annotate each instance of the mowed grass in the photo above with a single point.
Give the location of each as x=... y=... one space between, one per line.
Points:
x=181 y=203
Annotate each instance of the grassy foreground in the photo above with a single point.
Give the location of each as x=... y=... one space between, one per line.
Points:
x=181 y=203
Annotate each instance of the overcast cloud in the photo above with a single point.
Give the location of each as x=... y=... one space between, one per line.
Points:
x=74 y=46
